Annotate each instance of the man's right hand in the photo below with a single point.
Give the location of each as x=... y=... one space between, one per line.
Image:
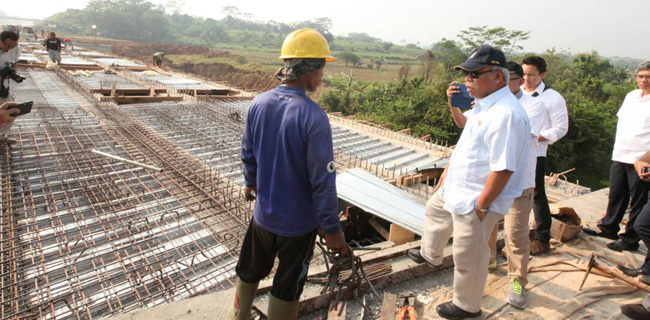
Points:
x=638 y=166
x=453 y=89
x=336 y=242
x=6 y=114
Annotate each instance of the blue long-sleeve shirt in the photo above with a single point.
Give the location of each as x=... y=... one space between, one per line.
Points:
x=288 y=155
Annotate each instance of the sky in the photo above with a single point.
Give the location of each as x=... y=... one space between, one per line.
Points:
x=613 y=28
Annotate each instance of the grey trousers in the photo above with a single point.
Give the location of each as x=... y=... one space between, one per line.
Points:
x=55 y=56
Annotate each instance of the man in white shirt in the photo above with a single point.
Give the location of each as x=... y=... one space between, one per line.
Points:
x=9 y=55
x=632 y=141
x=534 y=72
x=516 y=222
x=484 y=176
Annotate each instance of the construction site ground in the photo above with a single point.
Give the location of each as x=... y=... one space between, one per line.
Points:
x=552 y=290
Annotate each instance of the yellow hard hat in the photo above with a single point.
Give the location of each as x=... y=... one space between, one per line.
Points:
x=306 y=43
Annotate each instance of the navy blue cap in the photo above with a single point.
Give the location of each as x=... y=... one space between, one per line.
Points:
x=516 y=68
x=484 y=55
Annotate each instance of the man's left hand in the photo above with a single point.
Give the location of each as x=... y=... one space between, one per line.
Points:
x=479 y=214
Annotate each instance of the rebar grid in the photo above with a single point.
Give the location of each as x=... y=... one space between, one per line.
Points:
x=100 y=80
x=82 y=236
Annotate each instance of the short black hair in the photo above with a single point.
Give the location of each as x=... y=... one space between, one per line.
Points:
x=536 y=61
x=4 y=35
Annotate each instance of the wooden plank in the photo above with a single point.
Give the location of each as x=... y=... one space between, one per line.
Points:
x=80 y=67
x=405 y=131
x=400 y=235
x=375 y=224
x=136 y=99
x=213 y=92
x=388 y=307
x=133 y=91
x=333 y=314
x=425 y=137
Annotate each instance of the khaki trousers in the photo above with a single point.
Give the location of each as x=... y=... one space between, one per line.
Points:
x=517 y=241
x=471 y=251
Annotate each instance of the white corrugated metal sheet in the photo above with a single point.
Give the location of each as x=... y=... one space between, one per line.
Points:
x=381 y=199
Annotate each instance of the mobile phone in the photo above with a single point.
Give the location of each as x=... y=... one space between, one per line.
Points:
x=461 y=99
x=645 y=170
x=25 y=108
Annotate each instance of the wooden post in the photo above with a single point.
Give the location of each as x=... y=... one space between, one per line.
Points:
x=113 y=86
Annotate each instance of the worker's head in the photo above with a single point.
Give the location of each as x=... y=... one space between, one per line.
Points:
x=52 y=35
x=305 y=53
x=485 y=71
x=534 y=71
x=8 y=40
x=516 y=76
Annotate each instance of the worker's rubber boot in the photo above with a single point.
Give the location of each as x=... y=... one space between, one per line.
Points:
x=282 y=310
x=240 y=309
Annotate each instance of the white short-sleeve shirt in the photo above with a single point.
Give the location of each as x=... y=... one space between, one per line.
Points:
x=633 y=128
x=496 y=137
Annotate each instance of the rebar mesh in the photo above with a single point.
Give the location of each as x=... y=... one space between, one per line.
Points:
x=82 y=236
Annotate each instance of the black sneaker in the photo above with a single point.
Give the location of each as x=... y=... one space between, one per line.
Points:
x=621 y=246
x=635 y=311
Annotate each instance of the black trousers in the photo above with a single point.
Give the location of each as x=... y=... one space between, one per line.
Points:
x=540 y=204
x=642 y=228
x=258 y=254
x=625 y=187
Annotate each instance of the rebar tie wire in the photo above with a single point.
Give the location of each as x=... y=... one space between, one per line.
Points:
x=348 y=286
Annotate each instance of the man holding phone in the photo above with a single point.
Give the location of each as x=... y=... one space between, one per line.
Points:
x=484 y=176
x=632 y=141
x=7 y=114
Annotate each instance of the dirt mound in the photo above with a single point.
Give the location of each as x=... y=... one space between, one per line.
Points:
x=247 y=80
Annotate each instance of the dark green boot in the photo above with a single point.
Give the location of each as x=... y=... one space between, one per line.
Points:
x=282 y=310
x=240 y=309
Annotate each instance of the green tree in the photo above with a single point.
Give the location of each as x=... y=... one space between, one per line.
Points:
x=349 y=57
x=498 y=37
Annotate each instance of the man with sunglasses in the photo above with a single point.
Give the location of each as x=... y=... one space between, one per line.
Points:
x=516 y=222
x=9 y=55
x=534 y=72
x=484 y=176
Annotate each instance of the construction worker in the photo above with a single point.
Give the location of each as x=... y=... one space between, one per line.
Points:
x=516 y=221
x=158 y=59
x=289 y=169
x=486 y=172
x=534 y=86
x=53 y=45
x=67 y=43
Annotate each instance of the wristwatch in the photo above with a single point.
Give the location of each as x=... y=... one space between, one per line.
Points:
x=482 y=210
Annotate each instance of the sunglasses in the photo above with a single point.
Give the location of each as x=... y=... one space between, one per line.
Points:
x=475 y=74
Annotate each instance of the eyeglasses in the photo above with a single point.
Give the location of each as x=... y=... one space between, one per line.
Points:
x=513 y=78
x=475 y=74
x=640 y=77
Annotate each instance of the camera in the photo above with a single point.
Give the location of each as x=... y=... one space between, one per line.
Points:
x=8 y=73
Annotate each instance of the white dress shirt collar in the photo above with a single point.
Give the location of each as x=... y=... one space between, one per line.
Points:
x=487 y=102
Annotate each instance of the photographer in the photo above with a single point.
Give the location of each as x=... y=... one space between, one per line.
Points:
x=9 y=55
